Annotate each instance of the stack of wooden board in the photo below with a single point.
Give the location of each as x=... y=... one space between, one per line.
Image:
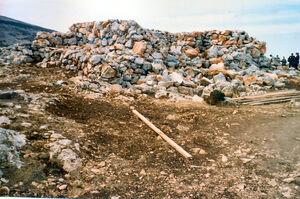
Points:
x=270 y=98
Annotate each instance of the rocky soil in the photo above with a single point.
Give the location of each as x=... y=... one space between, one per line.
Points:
x=84 y=141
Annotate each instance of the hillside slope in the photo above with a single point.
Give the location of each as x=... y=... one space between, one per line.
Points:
x=13 y=31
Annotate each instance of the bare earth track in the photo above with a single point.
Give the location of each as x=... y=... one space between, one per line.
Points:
x=238 y=152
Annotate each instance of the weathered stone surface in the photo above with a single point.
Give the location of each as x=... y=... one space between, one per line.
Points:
x=249 y=80
x=139 y=47
x=10 y=144
x=107 y=71
x=115 y=88
x=185 y=90
x=191 y=52
x=177 y=78
x=161 y=94
x=95 y=59
x=219 y=78
x=216 y=68
x=157 y=67
x=294 y=82
x=62 y=151
x=4 y=120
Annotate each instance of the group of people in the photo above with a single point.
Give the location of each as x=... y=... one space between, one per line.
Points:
x=293 y=60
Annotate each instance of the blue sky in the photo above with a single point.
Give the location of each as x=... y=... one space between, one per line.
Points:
x=275 y=21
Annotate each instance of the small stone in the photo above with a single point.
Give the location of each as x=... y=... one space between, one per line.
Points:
x=143 y=172
x=198 y=99
x=198 y=151
x=96 y=171
x=171 y=117
x=63 y=187
x=157 y=67
x=191 y=53
x=95 y=59
x=4 y=180
x=156 y=55
x=26 y=124
x=205 y=81
x=119 y=46
x=139 y=47
x=216 y=68
x=182 y=128
x=224 y=158
x=241 y=186
x=4 y=120
x=272 y=182
x=139 y=61
x=185 y=90
x=115 y=88
x=249 y=80
x=288 y=180
x=245 y=160
x=107 y=71
x=177 y=78
x=4 y=191
x=219 y=78
x=161 y=94
x=202 y=152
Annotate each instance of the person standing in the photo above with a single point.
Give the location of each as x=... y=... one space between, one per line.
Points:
x=277 y=60
x=291 y=60
x=283 y=61
x=296 y=61
x=270 y=61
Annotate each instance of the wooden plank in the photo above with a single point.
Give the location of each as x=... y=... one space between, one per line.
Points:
x=278 y=94
x=164 y=136
x=271 y=99
x=269 y=102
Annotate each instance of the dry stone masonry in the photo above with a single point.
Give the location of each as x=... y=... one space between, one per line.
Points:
x=152 y=61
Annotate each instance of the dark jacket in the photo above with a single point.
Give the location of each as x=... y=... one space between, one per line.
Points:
x=291 y=60
x=297 y=60
x=283 y=61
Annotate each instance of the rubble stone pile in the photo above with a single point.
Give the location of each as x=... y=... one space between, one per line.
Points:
x=10 y=144
x=152 y=61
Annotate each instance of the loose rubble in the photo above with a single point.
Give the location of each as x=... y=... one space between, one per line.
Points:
x=152 y=61
x=10 y=144
x=62 y=151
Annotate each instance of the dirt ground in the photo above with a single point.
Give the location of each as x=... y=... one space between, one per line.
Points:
x=238 y=151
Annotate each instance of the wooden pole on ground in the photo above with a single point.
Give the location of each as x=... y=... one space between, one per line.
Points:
x=164 y=136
